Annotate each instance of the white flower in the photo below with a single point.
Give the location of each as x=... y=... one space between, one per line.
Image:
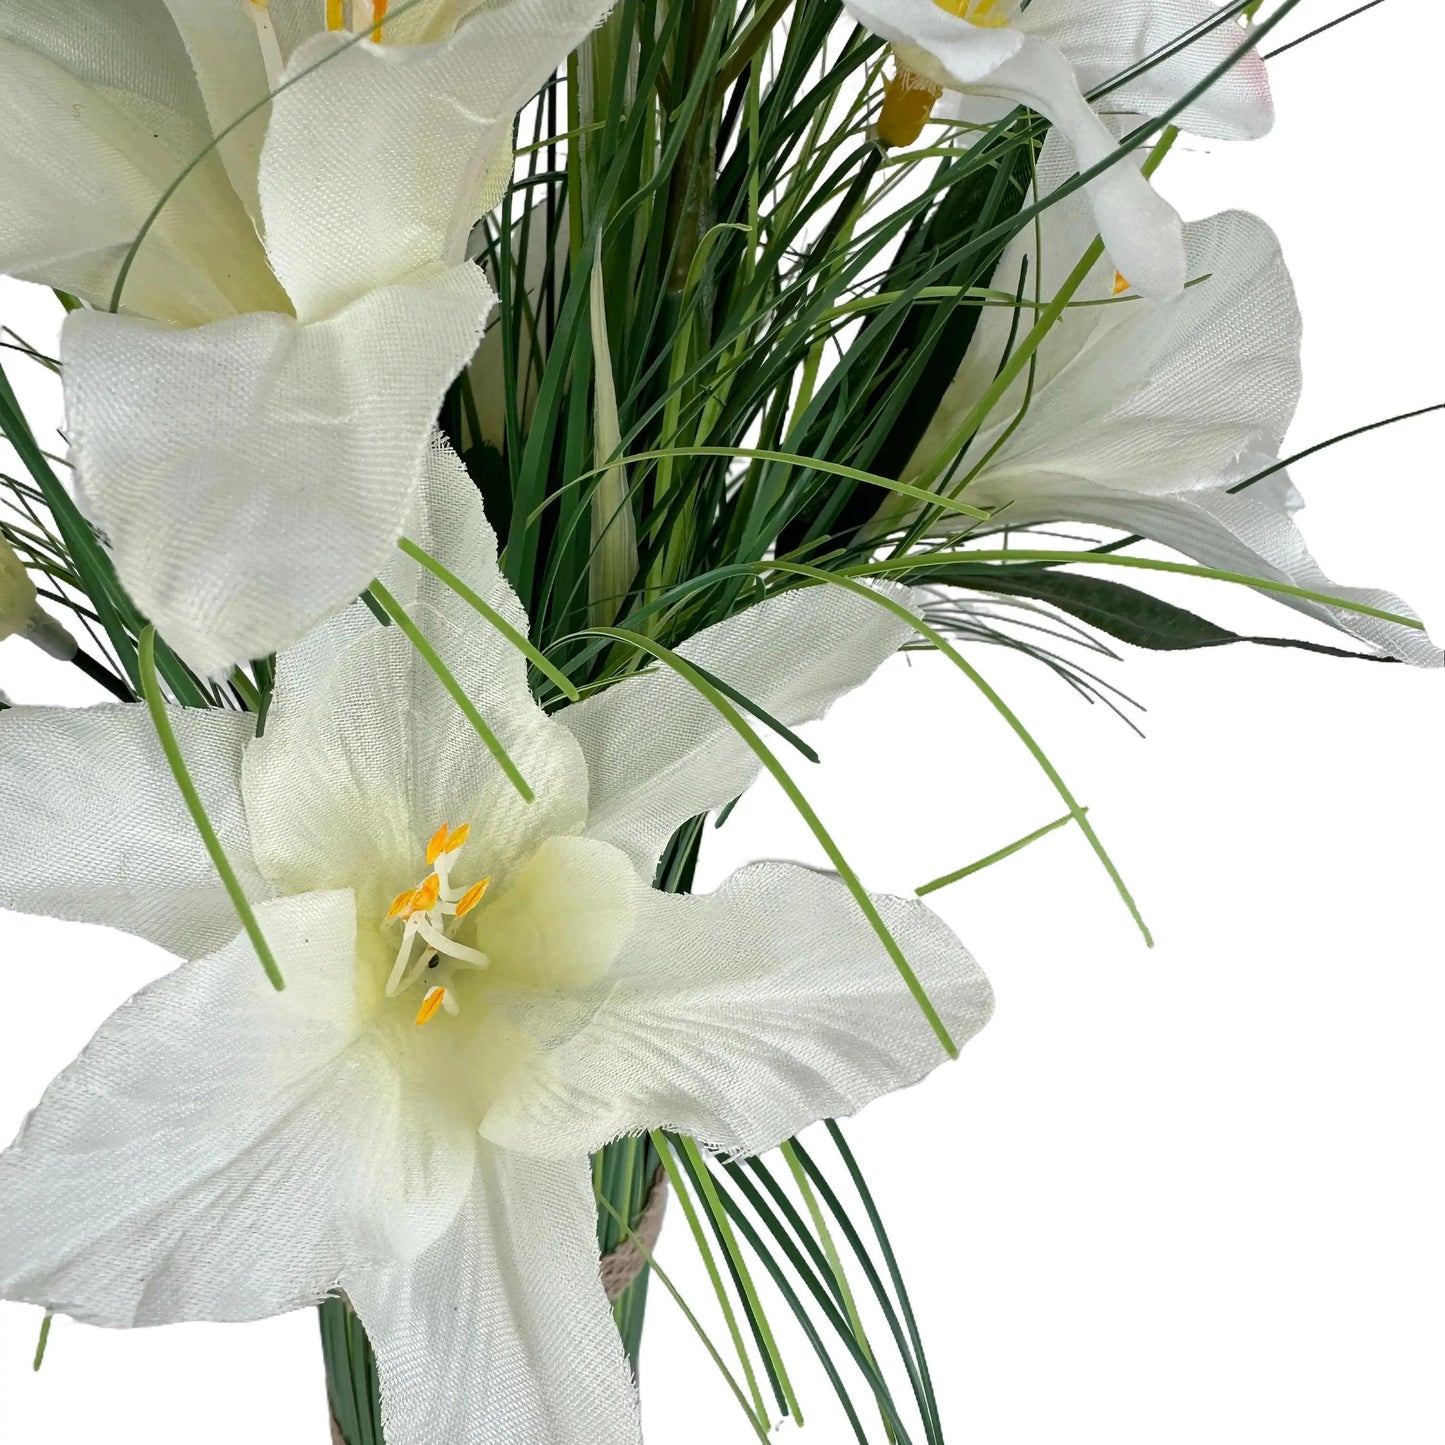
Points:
x=1046 y=55
x=409 y=1122
x=1144 y=415
x=250 y=430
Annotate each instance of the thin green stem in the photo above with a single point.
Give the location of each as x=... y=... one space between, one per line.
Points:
x=444 y=675
x=764 y=754
x=993 y=858
x=514 y=635
x=156 y=703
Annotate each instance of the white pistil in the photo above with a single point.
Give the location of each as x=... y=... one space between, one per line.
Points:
x=270 y=46
x=452 y=949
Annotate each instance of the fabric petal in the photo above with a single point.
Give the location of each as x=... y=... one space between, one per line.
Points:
x=933 y=42
x=374 y=164
x=501 y=1331
x=1102 y=38
x=219 y=1149
x=254 y=474
x=100 y=117
x=95 y=829
x=1162 y=397
x=741 y=1016
x=657 y=751
x=333 y=799
x=1141 y=230
x=231 y=73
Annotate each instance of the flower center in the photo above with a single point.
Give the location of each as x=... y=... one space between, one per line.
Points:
x=430 y=912
x=977 y=12
x=366 y=16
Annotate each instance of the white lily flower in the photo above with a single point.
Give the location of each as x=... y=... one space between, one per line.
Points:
x=250 y=430
x=1145 y=415
x=991 y=55
x=479 y=992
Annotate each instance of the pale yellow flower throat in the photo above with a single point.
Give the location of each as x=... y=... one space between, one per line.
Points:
x=427 y=912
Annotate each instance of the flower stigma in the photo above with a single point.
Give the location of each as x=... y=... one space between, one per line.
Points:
x=427 y=912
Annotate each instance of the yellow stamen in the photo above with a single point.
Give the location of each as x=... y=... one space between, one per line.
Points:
x=401 y=903
x=457 y=838
x=908 y=101
x=1120 y=284
x=334 y=18
x=379 y=11
x=438 y=844
x=430 y=1004
x=426 y=895
x=471 y=898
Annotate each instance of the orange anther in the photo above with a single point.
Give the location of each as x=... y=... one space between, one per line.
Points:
x=401 y=903
x=1121 y=285
x=458 y=837
x=438 y=844
x=334 y=20
x=430 y=1004
x=471 y=897
x=426 y=895
x=378 y=11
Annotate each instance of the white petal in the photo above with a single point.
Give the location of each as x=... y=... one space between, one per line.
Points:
x=955 y=52
x=1038 y=260
x=1164 y=397
x=500 y=1332
x=95 y=829
x=1102 y=38
x=742 y=1016
x=335 y=797
x=99 y=118
x=221 y=42
x=375 y=163
x=658 y=753
x=253 y=475
x=221 y=1151
x=1142 y=231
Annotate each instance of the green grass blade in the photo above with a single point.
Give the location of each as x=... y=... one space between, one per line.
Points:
x=444 y=675
x=156 y=703
x=684 y=1199
x=1148 y=564
x=997 y=857
x=41 y=1343
x=788 y=459
x=707 y=1187
x=765 y=756
x=939 y=641
x=753 y=1419
x=515 y=636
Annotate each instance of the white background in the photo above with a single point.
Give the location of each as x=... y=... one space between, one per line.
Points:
x=1192 y=1195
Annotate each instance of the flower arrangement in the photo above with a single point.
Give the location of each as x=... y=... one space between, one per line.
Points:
x=493 y=430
